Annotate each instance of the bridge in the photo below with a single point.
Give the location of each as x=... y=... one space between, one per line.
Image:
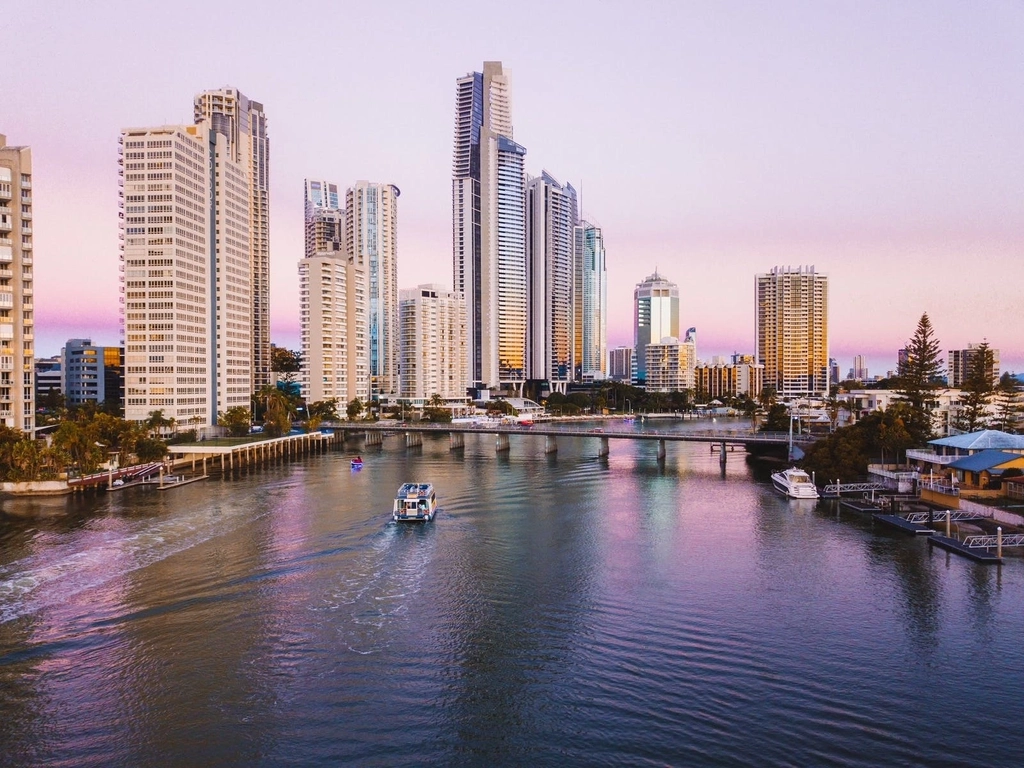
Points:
x=413 y=433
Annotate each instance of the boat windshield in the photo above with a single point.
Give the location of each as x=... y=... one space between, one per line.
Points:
x=799 y=477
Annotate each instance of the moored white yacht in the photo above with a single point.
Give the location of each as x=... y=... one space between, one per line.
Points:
x=795 y=483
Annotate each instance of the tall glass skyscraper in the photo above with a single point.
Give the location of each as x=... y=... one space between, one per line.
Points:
x=591 y=300
x=489 y=226
x=656 y=316
x=551 y=220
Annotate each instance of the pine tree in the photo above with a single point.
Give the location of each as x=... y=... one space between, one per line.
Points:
x=1007 y=407
x=977 y=390
x=919 y=377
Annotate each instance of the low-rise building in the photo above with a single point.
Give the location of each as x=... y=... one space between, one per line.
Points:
x=730 y=380
x=91 y=374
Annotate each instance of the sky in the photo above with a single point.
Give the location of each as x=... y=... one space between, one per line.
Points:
x=880 y=142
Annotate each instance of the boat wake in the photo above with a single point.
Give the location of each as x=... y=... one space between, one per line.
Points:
x=95 y=558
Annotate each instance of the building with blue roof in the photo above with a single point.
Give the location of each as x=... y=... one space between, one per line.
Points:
x=979 y=469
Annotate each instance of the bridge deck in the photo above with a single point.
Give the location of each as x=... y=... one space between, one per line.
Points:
x=693 y=436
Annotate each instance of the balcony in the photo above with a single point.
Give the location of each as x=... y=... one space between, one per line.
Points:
x=6 y=225
x=915 y=454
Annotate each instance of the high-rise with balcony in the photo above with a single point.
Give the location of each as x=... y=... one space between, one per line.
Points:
x=655 y=317
x=187 y=311
x=244 y=123
x=324 y=217
x=551 y=218
x=371 y=244
x=791 y=329
x=434 y=358
x=17 y=364
x=489 y=227
x=591 y=302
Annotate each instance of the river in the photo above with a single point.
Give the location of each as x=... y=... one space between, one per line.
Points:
x=562 y=610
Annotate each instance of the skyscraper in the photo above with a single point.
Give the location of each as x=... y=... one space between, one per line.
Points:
x=551 y=219
x=590 y=300
x=655 y=317
x=17 y=364
x=489 y=226
x=371 y=244
x=792 y=330
x=186 y=257
x=332 y=298
x=244 y=123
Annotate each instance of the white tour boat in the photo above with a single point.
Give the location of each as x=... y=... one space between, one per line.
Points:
x=415 y=503
x=795 y=483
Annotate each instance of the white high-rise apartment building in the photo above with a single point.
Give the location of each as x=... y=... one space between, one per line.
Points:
x=791 y=329
x=656 y=316
x=591 y=301
x=435 y=343
x=185 y=250
x=371 y=243
x=551 y=217
x=17 y=366
x=489 y=226
x=333 y=319
x=243 y=122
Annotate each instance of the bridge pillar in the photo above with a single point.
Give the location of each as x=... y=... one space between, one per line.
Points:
x=374 y=438
x=550 y=444
x=721 y=455
x=661 y=450
x=501 y=443
x=456 y=440
x=603 y=450
x=412 y=439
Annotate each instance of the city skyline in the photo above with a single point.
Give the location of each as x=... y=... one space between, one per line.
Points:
x=888 y=163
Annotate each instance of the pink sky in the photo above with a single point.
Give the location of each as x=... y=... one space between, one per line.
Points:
x=879 y=141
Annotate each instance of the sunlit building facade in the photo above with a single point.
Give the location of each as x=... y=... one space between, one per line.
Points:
x=17 y=306
x=791 y=329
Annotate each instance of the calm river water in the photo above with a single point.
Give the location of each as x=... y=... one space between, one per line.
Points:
x=562 y=610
